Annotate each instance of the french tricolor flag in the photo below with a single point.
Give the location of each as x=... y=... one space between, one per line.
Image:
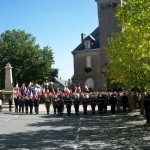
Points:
x=17 y=87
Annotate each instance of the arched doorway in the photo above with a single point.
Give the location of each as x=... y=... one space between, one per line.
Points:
x=89 y=83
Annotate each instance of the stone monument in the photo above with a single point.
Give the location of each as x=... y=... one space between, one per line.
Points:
x=8 y=91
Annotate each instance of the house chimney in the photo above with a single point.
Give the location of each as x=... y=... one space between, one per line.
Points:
x=83 y=36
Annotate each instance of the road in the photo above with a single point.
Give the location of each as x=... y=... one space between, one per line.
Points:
x=85 y=132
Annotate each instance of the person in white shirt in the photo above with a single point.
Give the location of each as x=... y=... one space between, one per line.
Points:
x=0 y=105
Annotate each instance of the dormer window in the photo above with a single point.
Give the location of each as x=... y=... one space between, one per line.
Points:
x=87 y=44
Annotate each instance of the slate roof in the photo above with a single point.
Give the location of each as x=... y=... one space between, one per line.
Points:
x=62 y=82
x=94 y=36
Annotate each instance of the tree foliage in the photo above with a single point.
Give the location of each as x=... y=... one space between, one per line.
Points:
x=30 y=63
x=129 y=52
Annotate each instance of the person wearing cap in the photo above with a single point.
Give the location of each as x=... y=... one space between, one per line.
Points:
x=36 y=104
x=47 y=104
x=59 y=105
x=124 y=101
x=76 y=103
x=100 y=103
x=31 y=102
x=54 y=103
x=113 y=102
x=68 y=102
x=93 y=103
x=26 y=101
x=85 y=102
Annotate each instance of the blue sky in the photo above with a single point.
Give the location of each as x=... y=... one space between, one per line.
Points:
x=56 y=23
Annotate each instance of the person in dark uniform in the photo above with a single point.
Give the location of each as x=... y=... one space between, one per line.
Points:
x=54 y=100
x=124 y=101
x=31 y=104
x=62 y=103
x=10 y=103
x=59 y=104
x=100 y=103
x=113 y=102
x=47 y=104
x=135 y=99
x=85 y=102
x=147 y=107
x=20 y=103
x=36 y=104
x=106 y=102
x=76 y=103
x=93 y=103
x=68 y=102
x=16 y=101
x=118 y=97
x=26 y=101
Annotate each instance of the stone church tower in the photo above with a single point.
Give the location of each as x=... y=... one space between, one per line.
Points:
x=90 y=58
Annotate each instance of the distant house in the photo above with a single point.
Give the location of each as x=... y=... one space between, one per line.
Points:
x=59 y=83
x=89 y=56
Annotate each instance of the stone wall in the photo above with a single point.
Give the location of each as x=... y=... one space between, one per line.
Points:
x=80 y=75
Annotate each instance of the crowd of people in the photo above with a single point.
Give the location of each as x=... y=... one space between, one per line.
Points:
x=25 y=104
x=119 y=101
x=99 y=102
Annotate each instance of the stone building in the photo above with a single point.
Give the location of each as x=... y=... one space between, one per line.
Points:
x=90 y=56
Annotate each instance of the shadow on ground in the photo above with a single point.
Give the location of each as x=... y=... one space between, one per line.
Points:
x=101 y=132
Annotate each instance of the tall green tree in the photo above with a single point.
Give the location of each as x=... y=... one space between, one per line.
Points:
x=129 y=52
x=30 y=63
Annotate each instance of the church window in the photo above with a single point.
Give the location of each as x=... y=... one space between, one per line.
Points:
x=88 y=62
x=87 y=44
